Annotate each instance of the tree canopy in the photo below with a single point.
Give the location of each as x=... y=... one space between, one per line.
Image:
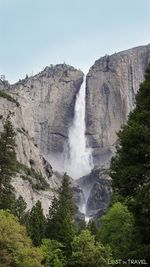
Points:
x=117 y=230
x=88 y=253
x=15 y=247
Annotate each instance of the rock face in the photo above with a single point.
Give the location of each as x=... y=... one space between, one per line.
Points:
x=47 y=105
x=41 y=123
x=111 y=85
x=29 y=155
x=96 y=187
x=31 y=196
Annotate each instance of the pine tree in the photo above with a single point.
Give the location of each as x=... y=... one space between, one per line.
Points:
x=52 y=220
x=92 y=228
x=7 y=165
x=130 y=168
x=60 y=221
x=36 y=224
x=19 y=209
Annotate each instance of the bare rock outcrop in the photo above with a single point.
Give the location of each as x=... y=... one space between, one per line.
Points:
x=111 y=86
x=47 y=105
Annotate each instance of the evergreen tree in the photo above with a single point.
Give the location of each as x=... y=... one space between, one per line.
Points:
x=117 y=231
x=36 y=224
x=51 y=228
x=81 y=225
x=7 y=165
x=92 y=228
x=130 y=168
x=60 y=221
x=88 y=253
x=19 y=209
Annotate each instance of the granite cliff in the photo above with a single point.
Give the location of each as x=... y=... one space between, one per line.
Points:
x=27 y=181
x=111 y=86
x=42 y=110
x=47 y=104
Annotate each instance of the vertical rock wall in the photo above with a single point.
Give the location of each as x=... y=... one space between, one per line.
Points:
x=112 y=83
x=47 y=105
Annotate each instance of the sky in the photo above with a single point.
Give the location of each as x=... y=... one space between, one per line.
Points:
x=37 y=33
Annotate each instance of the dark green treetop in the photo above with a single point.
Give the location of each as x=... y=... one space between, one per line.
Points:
x=37 y=223
x=7 y=165
x=60 y=222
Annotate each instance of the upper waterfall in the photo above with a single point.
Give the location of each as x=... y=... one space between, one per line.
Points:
x=79 y=160
x=76 y=158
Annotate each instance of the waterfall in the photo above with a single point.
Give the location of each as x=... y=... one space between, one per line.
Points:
x=76 y=159
x=79 y=159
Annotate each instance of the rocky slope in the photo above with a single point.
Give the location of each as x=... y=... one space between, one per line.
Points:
x=29 y=156
x=112 y=83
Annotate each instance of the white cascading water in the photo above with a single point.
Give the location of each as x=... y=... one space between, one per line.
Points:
x=79 y=159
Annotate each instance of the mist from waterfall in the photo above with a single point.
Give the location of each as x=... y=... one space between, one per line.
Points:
x=78 y=161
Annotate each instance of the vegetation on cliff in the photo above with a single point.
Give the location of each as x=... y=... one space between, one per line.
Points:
x=9 y=97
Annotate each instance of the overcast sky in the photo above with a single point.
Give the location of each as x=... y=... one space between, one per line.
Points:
x=37 y=33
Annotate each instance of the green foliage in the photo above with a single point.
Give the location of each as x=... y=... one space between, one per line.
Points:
x=36 y=179
x=19 y=208
x=81 y=225
x=60 y=222
x=66 y=203
x=117 y=230
x=92 y=228
x=37 y=224
x=15 y=247
x=7 y=165
x=52 y=253
x=9 y=98
x=5 y=256
x=52 y=226
x=28 y=256
x=86 y=252
x=130 y=168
